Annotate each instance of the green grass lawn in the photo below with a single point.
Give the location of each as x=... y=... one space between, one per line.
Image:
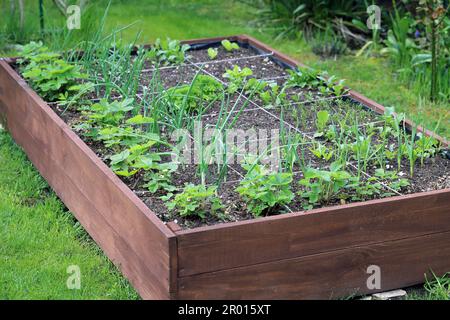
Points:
x=39 y=238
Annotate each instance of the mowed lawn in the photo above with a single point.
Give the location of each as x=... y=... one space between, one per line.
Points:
x=40 y=239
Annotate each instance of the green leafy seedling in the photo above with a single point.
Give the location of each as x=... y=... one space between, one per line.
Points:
x=212 y=53
x=237 y=78
x=167 y=52
x=230 y=46
x=322 y=120
x=322 y=152
x=192 y=97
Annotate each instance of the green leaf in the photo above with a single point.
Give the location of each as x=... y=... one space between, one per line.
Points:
x=212 y=53
x=120 y=157
x=140 y=119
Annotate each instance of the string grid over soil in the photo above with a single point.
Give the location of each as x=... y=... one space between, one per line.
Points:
x=295 y=116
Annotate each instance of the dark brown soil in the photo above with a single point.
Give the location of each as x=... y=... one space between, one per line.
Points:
x=299 y=116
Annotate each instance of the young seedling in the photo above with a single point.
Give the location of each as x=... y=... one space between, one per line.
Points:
x=237 y=78
x=168 y=52
x=322 y=120
x=314 y=79
x=409 y=149
x=322 y=152
x=212 y=53
x=230 y=46
x=426 y=147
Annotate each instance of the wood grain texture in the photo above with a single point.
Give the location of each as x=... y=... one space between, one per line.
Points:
x=294 y=235
x=129 y=233
x=329 y=275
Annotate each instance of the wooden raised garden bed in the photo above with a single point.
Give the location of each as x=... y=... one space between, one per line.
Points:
x=320 y=253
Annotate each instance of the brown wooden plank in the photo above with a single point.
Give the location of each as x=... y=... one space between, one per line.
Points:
x=279 y=55
x=330 y=275
x=208 y=40
x=43 y=135
x=99 y=229
x=293 y=235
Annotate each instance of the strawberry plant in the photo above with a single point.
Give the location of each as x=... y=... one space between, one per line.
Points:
x=159 y=178
x=109 y=113
x=196 y=200
x=52 y=77
x=129 y=161
x=324 y=185
x=113 y=136
x=264 y=190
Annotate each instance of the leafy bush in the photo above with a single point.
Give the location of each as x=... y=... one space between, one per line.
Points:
x=264 y=190
x=327 y=44
x=289 y=17
x=418 y=46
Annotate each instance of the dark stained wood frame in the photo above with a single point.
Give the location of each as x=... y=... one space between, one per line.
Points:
x=322 y=253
